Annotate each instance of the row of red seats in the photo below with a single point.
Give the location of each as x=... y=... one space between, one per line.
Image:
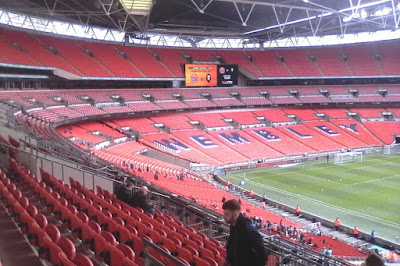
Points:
x=222 y=97
x=46 y=237
x=162 y=230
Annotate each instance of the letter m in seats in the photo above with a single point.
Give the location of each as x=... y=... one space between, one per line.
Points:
x=172 y=144
x=233 y=138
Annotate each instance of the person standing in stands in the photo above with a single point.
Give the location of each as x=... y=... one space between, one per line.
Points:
x=124 y=192
x=139 y=199
x=337 y=224
x=245 y=245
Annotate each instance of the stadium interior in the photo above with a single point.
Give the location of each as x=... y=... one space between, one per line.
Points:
x=175 y=95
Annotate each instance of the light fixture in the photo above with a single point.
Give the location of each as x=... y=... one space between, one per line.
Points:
x=137 y=7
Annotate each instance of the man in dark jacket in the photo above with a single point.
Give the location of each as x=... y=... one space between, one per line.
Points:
x=245 y=245
x=124 y=192
x=139 y=199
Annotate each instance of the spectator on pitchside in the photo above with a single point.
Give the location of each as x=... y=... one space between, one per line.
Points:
x=337 y=224
x=297 y=210
x=355 y=232
x=372 y=236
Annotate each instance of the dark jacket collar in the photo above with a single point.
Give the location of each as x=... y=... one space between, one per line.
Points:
x=241 y=220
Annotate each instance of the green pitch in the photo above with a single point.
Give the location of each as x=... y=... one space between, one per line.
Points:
x=364 y=194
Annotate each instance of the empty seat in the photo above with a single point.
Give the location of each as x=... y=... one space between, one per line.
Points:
x=53 y=232
x=68 y=247
x=82 y=260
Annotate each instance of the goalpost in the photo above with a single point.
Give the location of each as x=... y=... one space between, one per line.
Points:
x=347 y=157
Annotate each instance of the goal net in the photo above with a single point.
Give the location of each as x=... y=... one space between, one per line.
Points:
x=347 y=157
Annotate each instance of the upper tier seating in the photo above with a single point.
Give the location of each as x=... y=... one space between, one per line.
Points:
x=239 y=58
x=269 y=64
x=362 y=60
x=299 y=63
x=142 y=58
x=389 y=57
x=172 y=58
x=95 y=59
x=70 y=51
x=37 y=50
x=108 y=56
x=328 y=59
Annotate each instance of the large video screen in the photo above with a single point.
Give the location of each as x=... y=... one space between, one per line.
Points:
x=207 y=75
x=200 y=75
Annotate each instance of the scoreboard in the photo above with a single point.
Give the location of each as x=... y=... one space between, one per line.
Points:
x=208 y=75
x=227 y=75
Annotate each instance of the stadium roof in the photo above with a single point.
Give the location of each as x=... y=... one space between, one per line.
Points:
x=264 y=19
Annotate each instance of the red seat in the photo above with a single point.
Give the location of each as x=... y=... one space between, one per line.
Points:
x=128 y=252
x=169 y=244
x=82 y=260
x=42 y=221
x=17 y=194
x=220 y=260
x=24 y=202
x=32 y=210
x=53 y=232
x=83 y=217
x=184 y=254
x=206 y=253
x=35 y=234
x=53 y=253
x=113 y=256
x=191 y=243
x=68 y=247
x=211 y=261
x=95 y=227
x=200 y=262
x=109 y=238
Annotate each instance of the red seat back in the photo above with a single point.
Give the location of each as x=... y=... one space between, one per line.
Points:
x=128 y=252
x=53 y=232
x=68 y=247
x=82 y=260
x=42 y=221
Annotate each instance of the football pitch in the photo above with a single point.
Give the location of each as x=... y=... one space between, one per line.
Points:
x=364 y=194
